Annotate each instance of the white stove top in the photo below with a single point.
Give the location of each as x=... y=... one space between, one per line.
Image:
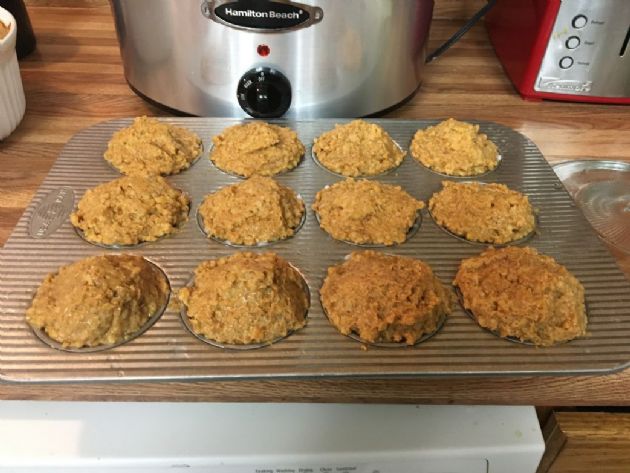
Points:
x=72 y=437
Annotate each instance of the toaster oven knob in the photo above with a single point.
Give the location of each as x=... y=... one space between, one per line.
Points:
x=264 y=92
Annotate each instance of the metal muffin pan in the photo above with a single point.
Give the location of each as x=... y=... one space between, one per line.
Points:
x=167 y=351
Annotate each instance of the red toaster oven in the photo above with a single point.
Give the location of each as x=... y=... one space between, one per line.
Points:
x=574 y=50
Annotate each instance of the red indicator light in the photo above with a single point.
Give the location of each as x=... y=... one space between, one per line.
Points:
x=263 y=50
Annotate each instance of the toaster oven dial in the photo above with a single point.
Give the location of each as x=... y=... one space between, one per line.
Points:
x=264 y=92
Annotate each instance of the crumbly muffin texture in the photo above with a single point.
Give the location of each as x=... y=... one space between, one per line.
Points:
x=130 y=210
x=357 y=148
x=257 y=210
x=455 y=148
x=520 y=293
x=384 y=298
x=487 y=213
x=246 y=298
x=256 y=148
x=366 y=212
x=149 y=147
x=99 y=300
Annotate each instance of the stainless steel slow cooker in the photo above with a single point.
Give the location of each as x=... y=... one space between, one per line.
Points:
x=273 y=58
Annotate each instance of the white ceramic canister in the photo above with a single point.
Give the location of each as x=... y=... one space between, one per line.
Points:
x=12 y=101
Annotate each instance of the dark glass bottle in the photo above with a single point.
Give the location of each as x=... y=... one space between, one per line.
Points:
x=25 y=36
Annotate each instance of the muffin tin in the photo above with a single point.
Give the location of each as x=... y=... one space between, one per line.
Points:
x=44 y=240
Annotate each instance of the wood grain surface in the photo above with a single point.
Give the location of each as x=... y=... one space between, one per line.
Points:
x=593 y=442
x=75 y=79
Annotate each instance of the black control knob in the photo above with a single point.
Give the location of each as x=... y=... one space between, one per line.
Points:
x=264 y=92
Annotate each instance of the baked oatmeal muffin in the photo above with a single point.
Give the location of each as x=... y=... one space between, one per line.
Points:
x=149 y=147
x=487 y=213
x=99 y=300
x=517 y=292
x=362 y=212
x=256 y=148
x=257 y=210
x=356 y=149
x=455 y=148
x=384 y=298
x=246 y=298
x=130 y=210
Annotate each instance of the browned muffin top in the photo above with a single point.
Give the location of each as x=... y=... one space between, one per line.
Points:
x=256 y=148
x=246 y=298
x=362 y=211
x=255 y=211
x=130 y=210
x=520 y=293
x=357 y=148
x=384 y=298
x=455 y=148
x=99 y=300
x=487 y=213
x=150 y=147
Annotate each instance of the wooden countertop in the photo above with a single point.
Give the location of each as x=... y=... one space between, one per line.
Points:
x=75 y=79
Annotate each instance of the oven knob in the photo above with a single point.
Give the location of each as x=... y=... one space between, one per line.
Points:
x=264 y=92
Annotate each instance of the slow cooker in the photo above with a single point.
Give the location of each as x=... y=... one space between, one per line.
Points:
x=273 y=58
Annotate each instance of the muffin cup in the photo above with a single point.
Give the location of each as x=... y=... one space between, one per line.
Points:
x=468 y=176
x=417 y=223
x=183 y=314
x=192 y=163
x=240 y=176
x=132 y=246
x=519 y=241
x=12 y=100
x=472 y=316
x=359 y=176
x=43 y=336
x=201 y=226
x=356 y=337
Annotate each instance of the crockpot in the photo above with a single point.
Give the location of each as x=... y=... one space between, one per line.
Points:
x=274 y=58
